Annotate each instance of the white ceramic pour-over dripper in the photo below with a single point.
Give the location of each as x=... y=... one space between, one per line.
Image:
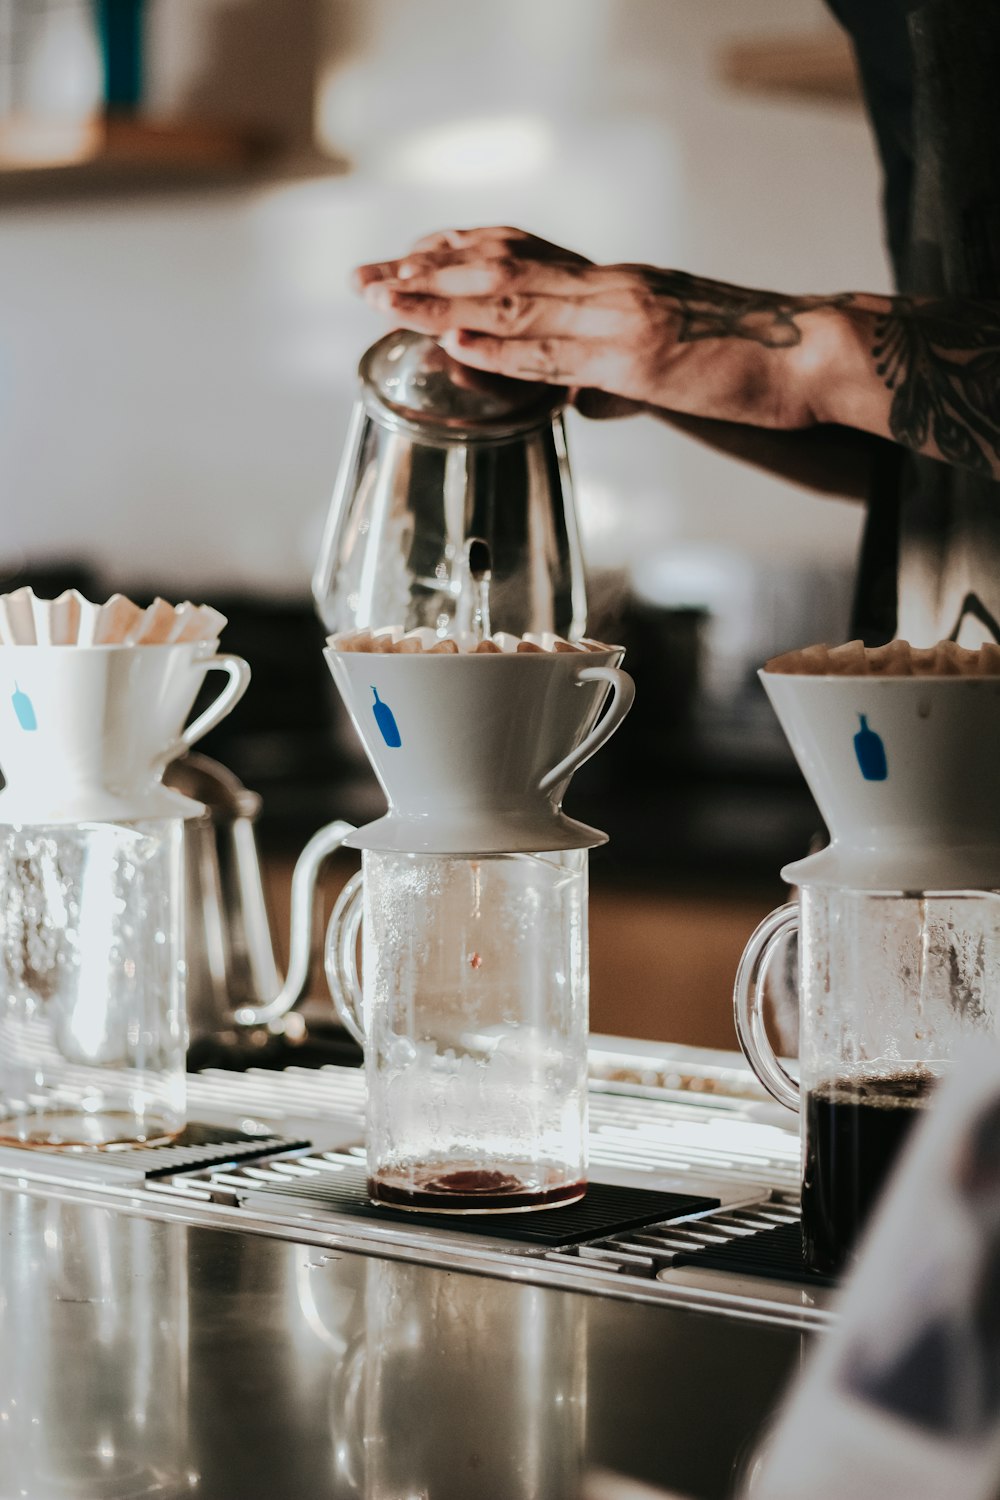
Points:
x=474 y=752
x=87 y=731
x=906 y=773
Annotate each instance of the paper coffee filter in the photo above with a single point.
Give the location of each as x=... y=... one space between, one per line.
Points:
x=897 y=659
x=424 y=640
x=72 y=620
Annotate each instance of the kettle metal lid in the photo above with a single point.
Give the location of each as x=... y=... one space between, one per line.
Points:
x=408 y=380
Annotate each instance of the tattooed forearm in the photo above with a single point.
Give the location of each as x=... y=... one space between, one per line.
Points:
x=716 y=310
x=941 y=360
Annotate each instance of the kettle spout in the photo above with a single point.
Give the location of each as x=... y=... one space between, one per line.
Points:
x=305 y=880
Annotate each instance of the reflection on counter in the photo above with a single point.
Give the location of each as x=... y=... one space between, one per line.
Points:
x=147 y=1358
x=94 y=1355
x=509 y=1366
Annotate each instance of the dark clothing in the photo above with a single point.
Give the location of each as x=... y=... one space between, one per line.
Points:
x=930 y=563
x=947 y=1381
x=947 y=1378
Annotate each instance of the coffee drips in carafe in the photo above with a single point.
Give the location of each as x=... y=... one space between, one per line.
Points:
x=473 y=617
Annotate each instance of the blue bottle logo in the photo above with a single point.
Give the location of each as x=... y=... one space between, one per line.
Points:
x=386 y=721
x=870 y=750
x=24 y=709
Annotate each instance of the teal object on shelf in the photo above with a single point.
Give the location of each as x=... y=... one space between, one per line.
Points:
x=120 y=27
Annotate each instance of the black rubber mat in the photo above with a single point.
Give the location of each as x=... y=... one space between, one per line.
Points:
x=602 y=1211
x=197 y=1148
x=775 y=1253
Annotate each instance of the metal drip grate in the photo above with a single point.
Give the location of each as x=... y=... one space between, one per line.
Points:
x=775 y=1253
x=722 y=1236
x=335 y=1185
x=198 y=1147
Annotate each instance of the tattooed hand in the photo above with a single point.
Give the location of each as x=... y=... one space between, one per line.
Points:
x=631 y=337
x=502 y=300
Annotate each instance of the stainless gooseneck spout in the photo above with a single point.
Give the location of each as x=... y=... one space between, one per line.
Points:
x=305 y=894
x=233 y=975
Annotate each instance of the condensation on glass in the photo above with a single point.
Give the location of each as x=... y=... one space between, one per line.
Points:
x=92 y=1019
x=473 y=1016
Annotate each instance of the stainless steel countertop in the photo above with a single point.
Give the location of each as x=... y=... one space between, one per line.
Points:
x=146 y=1358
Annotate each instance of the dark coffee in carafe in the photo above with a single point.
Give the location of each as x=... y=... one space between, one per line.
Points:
x=854 y=1130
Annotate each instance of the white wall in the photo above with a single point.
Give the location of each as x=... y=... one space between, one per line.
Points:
x=176 y=373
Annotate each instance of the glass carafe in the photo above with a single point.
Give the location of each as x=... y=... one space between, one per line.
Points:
x=891 y=984
x=473 y=1017
x=92 y=1018
x=92 y=973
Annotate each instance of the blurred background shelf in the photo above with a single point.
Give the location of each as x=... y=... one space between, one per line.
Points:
x=820 y=66
x=107 y=98
x=43 y=161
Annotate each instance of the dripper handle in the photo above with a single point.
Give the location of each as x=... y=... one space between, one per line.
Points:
x=239 y=680
x=623 y=695
x=340 y=958
x=748 y=1004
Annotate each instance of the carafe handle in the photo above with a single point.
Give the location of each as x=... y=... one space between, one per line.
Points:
x=340 y=958
x=748 y=1004
x=623 y=693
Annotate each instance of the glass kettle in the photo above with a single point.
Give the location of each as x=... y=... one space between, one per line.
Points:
x=438 y=453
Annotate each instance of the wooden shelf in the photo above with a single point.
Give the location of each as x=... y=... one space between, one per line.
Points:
x=39 y=160
x=819 y=67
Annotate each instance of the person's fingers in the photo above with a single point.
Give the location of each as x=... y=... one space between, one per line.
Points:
x=510 y=259
x=455 y=275
x=380 y=270
x=419 y=267
x=461 y=244
x=516 y=315
x=554 y=361
x=452 y=239
x=517 y=241
x=448 y=255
